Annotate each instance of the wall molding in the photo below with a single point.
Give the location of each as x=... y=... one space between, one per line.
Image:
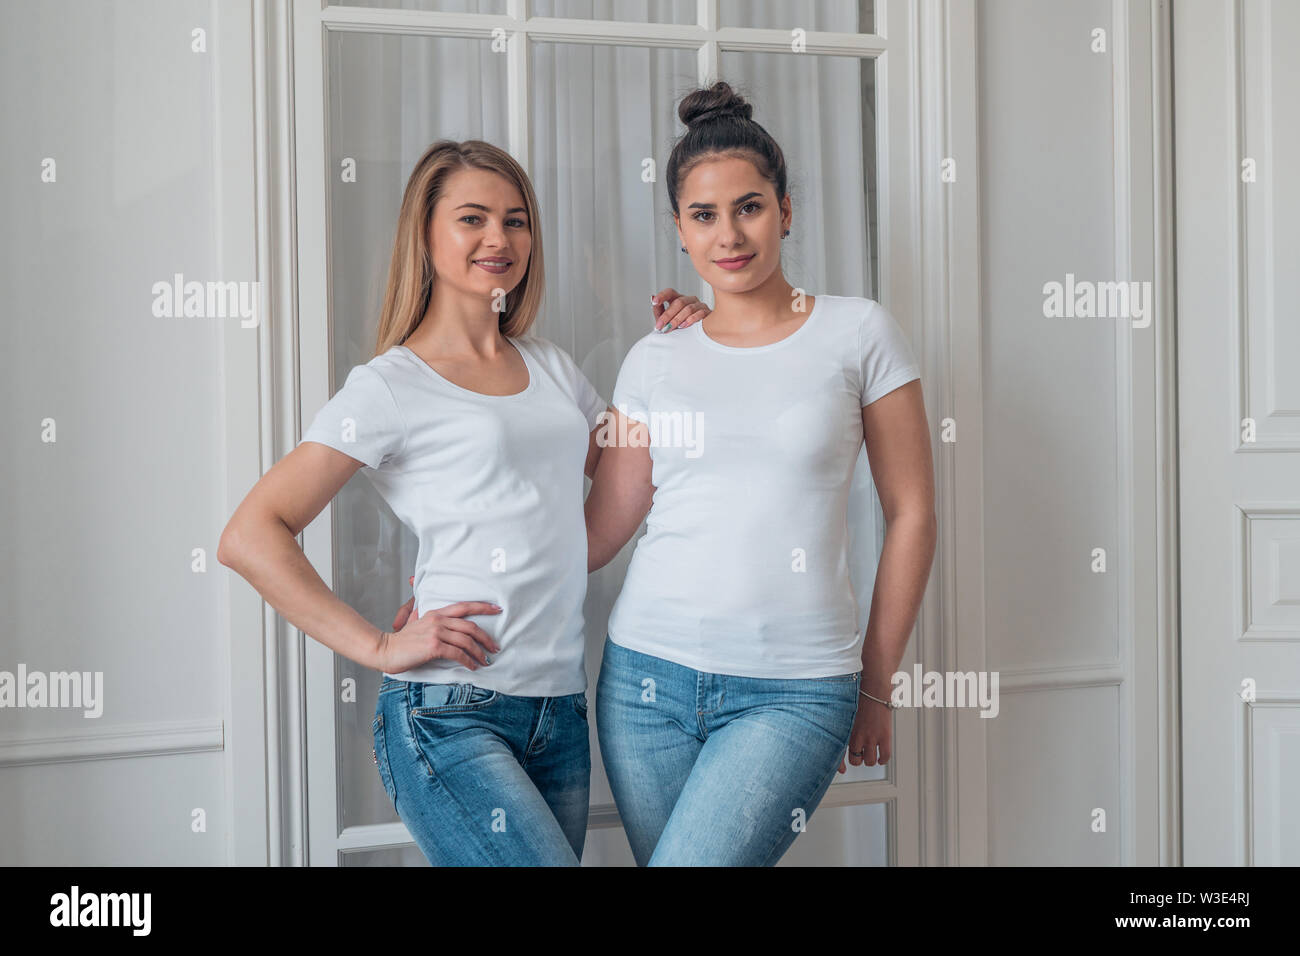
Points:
x=1167 y=663
x=1062 y=678
x=954 y=751
x=1124 y=268
x=1246 y=783
x=1252 y=98
x=250 y=687
x=1244 y=569
x=155 y=739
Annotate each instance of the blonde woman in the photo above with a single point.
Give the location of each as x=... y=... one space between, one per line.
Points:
x=477 y=434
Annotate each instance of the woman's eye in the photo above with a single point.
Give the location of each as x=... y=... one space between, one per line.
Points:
x=518 y=222
x=470 y=216
x=749 y=205
x=699 y=215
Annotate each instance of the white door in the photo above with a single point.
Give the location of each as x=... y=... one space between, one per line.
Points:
x=1236 y=85
x=583 y=93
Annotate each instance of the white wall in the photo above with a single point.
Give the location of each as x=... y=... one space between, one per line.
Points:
x=100 y=523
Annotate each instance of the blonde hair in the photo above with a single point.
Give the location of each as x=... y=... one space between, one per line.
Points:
x=410 y=274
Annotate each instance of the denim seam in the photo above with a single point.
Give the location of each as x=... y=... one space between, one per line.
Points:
x=379 y=734
x=699 y=704
x=836 y=677
x=415 y=743
x=450 y=708
x=532 y=750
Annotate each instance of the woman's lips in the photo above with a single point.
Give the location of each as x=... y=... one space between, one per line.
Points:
x=495 y=266
x=731 y=265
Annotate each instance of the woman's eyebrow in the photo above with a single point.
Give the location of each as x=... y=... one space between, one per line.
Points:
x=734 y=202
x=477 y=205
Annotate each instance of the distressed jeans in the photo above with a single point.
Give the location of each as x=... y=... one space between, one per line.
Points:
x=482 y=778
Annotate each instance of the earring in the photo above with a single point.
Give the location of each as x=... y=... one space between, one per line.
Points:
x=683 y=248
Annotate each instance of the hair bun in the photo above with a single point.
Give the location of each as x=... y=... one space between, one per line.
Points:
x=717 y=102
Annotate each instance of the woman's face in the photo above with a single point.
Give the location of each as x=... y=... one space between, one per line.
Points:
x=730 y=223
x=479 y=234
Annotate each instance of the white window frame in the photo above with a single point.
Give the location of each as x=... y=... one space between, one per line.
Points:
x=927 y=239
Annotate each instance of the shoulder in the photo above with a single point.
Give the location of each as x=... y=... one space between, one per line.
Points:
x=865 y=319
x=657 y=346
x=385 y=365
x=854 y=310
x=385 y=371
x=544 y=350
x=874 y=317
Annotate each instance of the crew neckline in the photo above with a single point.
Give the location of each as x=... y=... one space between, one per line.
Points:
x=523 y=353
x=704 y=336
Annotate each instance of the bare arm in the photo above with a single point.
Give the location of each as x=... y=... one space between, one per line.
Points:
x=594 y=448
x=621 y=492
x=902 y=468
x=259 y=543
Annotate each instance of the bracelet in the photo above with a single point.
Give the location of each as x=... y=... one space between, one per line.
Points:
x=891 y=706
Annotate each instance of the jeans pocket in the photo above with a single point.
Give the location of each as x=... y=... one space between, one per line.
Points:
x=580 y=705
x=380 y=755
x=432 y=700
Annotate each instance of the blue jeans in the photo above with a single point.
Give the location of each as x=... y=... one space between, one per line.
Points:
x=713 y=769
x=482 y=778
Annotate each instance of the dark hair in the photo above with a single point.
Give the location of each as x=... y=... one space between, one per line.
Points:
x=718 y=121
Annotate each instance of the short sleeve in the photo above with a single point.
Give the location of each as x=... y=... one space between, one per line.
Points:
x=885 y=360
x=362 y=420
x=584 y=393
x=629 y=390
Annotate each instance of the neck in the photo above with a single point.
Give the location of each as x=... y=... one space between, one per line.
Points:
x=458 y=324
x=762 y=307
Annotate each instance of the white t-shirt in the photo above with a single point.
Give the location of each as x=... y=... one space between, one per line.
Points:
x=492 y=487
x=744 y=565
